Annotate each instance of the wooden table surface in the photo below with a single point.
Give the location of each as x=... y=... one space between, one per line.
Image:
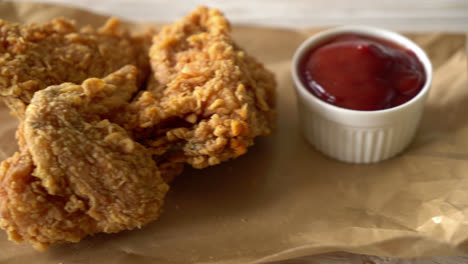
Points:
x=403 y=15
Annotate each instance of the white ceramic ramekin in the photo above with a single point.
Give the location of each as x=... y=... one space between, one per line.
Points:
x=359 y=136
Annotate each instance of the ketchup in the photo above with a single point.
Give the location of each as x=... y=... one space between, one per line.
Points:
x=362 y=73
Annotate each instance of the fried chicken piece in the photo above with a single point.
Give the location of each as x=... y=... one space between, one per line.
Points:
x=78 y=173
x=33 y=57
x=208 y=99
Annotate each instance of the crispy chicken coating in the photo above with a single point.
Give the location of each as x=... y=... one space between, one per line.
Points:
x=33 y=57
x=95 y=158
x=207 y=99
x=78 y=173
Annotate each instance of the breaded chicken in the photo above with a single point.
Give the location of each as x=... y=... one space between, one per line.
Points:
x=207 y=99
x=78 y=173
x=33 y=57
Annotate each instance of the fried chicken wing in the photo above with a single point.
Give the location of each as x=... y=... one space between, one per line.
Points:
x=78 y=173
x=207 y=99
x=33 y=57
x=96 y=157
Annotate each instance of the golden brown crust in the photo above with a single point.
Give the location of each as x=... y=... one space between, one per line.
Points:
x=208 y=99
x=33 y=57
x=78 y=173
x=94 y=160
x=28 y=212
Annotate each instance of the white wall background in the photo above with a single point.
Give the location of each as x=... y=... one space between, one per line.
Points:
x=421 y=15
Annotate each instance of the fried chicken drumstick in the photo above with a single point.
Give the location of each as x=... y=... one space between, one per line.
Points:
x=33 y=57
x=78 y=173
x=207 y=99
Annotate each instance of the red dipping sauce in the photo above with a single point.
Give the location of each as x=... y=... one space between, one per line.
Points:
x=362 y=73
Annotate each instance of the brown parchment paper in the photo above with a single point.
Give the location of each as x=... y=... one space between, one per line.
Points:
x=283 y=199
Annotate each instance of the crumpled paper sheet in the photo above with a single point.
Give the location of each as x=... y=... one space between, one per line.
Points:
x=284 y=199
x=349 y=258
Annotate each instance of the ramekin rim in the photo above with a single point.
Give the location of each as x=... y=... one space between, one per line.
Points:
x=371 y=31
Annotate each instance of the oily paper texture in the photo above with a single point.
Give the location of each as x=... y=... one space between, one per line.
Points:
x=283 y=199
